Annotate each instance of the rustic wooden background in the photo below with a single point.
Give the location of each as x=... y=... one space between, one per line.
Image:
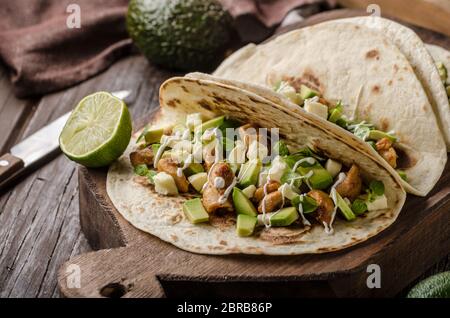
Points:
x=39 y=224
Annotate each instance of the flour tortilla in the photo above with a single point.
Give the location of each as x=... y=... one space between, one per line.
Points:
x=364 y=69
x=409 y=43
x=440 y=54
x=162 y=216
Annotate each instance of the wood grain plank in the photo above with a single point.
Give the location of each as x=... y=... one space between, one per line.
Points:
x=14 y=113
x=39 y=216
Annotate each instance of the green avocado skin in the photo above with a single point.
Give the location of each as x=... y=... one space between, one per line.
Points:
x=181 y=35
x=436 y=286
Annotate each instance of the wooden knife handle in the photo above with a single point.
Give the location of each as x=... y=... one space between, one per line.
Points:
x=9 y=165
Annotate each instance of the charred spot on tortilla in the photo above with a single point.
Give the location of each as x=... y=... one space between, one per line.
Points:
x=376 y=89
x=373 y=54
x=205 y=104
x=384 y=124
x=224 y=243
x=184 y=89
x=405 y=159
x=390 y=83
x=395 y=67
x=171 y=103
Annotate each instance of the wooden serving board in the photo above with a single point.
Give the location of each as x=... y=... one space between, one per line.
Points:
x=130 y=263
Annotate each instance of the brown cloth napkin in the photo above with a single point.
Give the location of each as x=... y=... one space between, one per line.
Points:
x=44 y=55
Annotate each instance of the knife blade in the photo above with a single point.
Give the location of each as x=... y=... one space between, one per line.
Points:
x=41 y=145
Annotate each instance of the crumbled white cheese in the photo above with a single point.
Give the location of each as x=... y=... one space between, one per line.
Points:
x=379 y=203
x=257 y=150
x=165 y=184
x=333 y=167
x=193 y=120
x=277 y=169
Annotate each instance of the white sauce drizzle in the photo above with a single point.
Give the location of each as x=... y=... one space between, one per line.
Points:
x=309 y=160
x=329 y=227
x=219 y=182
x=186 y=164
x=223 y=198
x=300 y=210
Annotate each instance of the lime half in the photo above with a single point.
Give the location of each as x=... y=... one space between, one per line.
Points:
x=98 y=130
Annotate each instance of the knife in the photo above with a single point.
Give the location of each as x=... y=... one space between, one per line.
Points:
x=41 y=145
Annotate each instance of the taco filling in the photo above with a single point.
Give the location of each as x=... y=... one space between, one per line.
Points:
x=385 y=143
x=226 y=167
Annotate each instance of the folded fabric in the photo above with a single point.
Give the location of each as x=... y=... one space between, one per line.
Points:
x=44 y=49
x=44 y=54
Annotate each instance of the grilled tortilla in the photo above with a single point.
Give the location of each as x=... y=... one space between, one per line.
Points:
x=355 y=63
x=163 y=217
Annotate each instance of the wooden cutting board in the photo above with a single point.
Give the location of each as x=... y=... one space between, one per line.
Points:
x=130 y=263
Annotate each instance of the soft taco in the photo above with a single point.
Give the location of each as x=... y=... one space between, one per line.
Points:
x=211 y=175
x=356 y=78
x=442 y=61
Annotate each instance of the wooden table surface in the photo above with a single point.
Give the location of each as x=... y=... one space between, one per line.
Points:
x=39 y=223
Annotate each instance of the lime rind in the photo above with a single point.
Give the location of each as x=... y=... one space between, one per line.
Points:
x=98 y=130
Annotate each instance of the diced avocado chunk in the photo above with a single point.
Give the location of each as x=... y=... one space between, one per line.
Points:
x=402 y=175
x=250 y=172
x=242 y=204
x=378 y=134
x=249 y=191
x=281 y=148
x=308 y=204
x=153 y=135
x=193 y=168
x=212 y=123
x=335 y=114
x=359 y=206
x=306 y=92
x=442 y=71
x=346 y=211
x=245 y=225
x=284 y=217
x=141 y=170
x=198 y=180
x=155 y=148
x=320 y=179
x=194 y=211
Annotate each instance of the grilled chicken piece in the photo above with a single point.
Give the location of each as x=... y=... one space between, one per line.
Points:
x=212 y=195
x=325 y=206
x=222 y=170
x=272 y=202
x=351 y=186
x=385 y=149
x=169 y=166
x=248 y=133
x=271 y=186
x=142 y=156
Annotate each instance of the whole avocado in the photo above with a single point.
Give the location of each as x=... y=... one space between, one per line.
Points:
x=180 y=34
x=436 y=286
